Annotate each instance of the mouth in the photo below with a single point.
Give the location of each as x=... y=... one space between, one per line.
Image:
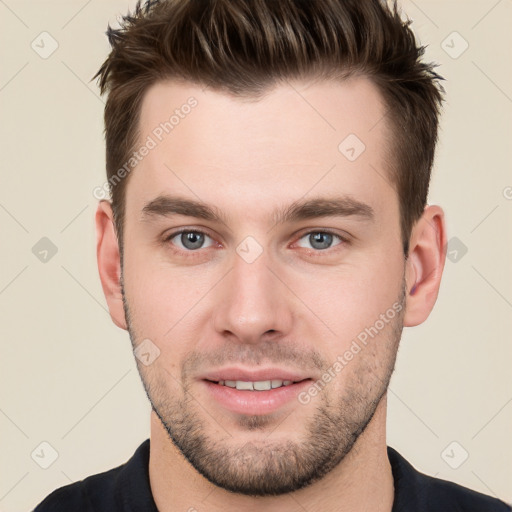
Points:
x=255 y=393
x=258 y=385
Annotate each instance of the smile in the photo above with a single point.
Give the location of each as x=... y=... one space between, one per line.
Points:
x=255 y=397
x=259 y=385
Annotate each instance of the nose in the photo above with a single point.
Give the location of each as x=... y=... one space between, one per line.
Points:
x=252 y=303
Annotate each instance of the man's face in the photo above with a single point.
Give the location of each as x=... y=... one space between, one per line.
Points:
x=256 y=295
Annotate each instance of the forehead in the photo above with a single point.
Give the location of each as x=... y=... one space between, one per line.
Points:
x=300 y=136
x=297 y=111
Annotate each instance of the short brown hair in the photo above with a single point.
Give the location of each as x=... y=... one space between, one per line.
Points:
x=243 y=47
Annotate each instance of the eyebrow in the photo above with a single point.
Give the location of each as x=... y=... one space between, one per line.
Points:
x=341 y=206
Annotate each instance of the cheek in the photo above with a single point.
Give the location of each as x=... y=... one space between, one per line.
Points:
x=351 y=298
x=161 y=310
x=164 y=301
x=363 y=309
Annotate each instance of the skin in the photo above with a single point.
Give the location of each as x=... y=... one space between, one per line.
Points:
x=295 y=307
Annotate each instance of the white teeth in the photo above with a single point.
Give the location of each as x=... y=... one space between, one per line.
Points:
x=260 y=385
x=263 y=385
x=240 y=384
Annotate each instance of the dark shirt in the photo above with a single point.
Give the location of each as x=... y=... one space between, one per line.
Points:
x=126 y=489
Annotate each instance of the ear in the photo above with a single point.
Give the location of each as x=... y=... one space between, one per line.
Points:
x=109 y=262
x=425 y=264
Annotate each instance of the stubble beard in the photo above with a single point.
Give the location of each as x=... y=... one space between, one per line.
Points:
x=269 y=466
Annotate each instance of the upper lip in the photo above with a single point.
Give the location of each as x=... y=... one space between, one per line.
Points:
x=254 y=375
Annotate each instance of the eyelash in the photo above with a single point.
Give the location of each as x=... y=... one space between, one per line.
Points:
x=343 y=240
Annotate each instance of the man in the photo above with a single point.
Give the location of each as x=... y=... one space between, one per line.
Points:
x=267 y=240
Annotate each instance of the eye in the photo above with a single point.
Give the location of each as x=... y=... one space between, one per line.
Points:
x=320 y=240
x=190 y=240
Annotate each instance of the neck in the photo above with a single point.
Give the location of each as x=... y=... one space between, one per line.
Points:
x=362 y=481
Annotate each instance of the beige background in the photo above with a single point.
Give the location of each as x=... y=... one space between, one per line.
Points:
x=68 y=375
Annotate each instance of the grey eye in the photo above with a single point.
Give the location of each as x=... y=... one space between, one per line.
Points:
x=191 y=240
x=319 y=240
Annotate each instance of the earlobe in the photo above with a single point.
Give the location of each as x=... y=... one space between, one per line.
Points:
x=109 y=263
x=425 y=264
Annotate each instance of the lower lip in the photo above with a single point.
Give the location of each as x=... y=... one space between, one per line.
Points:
x=255 y=402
